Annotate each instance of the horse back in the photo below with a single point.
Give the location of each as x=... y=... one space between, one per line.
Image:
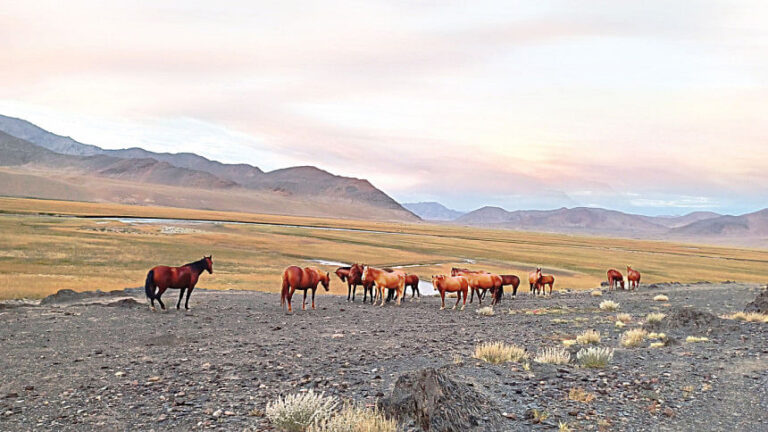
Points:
x=172 y=277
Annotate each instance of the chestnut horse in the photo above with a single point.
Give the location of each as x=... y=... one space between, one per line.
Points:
x=542 y=280
x=510 y=280
x=457 y=284
x=297 y=278
x=343 y=274
x=383 y=279
x=615 y=278
x=533 y=277
x=633 y=277
x=355 y=278
x=412 y=281
x=480 y=282
x=183 y=278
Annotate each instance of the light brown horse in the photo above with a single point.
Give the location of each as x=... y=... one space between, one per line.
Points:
x=297 y=278
x=457 y=284
x=480 y=282
x=615 y=278
x=183 y=278
x=542 y=280
x=384 y=279
x=533 y=277
x=633 y=277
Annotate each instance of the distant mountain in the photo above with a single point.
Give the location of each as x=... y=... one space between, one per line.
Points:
x=36 y=148
x=752 y=225
x=576 y=220
x=433 y=211
x=679 y=221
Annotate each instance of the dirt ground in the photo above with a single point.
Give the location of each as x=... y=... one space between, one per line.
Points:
x=108 y=363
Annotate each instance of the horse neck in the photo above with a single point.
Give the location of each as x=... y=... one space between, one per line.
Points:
x=197 y=266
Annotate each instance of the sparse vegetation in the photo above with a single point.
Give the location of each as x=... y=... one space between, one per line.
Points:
x=661 y=298
x=654 y=335
x=355 y=418
x=578 y=394
x=695 y=339
x=633 y=338
x=297 y=412
x=620 y=324
x=539 y=416
x=654 y=317
x=748 y=317
x=624 y=317
x=486 y=311
x=588 y=337
x=596 y=293
x=609 y=305
x=499 y=352
x=657 y=345
x=595 y=357
x=563 y=427
x=553 y=355
x=569 y=342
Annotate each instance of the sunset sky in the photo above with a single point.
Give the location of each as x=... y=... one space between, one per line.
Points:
x=656 y=107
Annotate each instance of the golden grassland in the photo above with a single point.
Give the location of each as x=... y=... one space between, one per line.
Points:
x=41 y=252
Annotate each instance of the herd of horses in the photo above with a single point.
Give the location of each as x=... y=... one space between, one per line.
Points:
x=374 y=281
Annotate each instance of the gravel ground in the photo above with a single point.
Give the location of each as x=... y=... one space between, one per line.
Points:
x=114 y=365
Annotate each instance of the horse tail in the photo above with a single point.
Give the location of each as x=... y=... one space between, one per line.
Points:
x=284 y=291
x=149 y=285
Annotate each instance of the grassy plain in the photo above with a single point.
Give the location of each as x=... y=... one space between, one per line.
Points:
x=41 y=251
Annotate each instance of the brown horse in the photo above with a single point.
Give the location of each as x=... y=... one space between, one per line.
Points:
x=457 y=284
x=383 y=279
x=480 y=282
x=633 y=277
x=355 y=278
x=183 y=278
x=615 y=278
x=542 y=280
x=533 y=277
x=412 y=281
x=297 y=278
x=510 y=280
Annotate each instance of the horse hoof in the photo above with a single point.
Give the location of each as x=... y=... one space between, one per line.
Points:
x=442 y=308
x=153 y=309
x=462 y=308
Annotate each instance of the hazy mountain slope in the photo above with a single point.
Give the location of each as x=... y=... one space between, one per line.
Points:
x=36 y=135
x=679 y=221
x=748 y=225
x=433 y=211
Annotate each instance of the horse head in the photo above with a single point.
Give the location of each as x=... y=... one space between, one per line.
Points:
x=208 y=263
x=326 y=281
x=365 y=272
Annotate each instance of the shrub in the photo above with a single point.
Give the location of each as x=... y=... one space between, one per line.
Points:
x=609 y=305
x=620 y=324
x=355 y=418
x=595 y=357
x=295 y=413
x=569 y=342
x=563 y=427
x=654 y=335
x=596 y=293
x=694 y=339
x=633 y=338
x=624 y=317
x=655 y=317
x=557 y=355
x=578 y=394
x=486 y=311
x=588 y=337
x=657 y=345
x=499 y=352
x=749 y=317
x=661 y=298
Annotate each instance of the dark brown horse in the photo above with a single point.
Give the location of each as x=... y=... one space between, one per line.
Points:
x=633 y=277
x=343 y=274
x=508 y=280
x=542 y=280
x=297 y=278
x=355 y=278
x=615 y=278
x=182 y=278
x=457 y=284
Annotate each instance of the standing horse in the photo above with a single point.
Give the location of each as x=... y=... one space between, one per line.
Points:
x=355 y=278
x=297 y=278
x=510 y=280
x=457 y=284
x=615 y=278
x=382 y=279
x=533 y=277
x=343 y=274
x=480 y=282
x=183 y=278
x=543 y=280
x=412 y=281
x=633 y=277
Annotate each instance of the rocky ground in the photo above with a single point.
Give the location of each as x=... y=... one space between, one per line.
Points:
x=107 y=362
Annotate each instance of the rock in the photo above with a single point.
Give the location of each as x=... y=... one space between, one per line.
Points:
x=759 y=304
x=436 y=403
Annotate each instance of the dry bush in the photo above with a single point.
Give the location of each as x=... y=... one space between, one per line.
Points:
x=356 y=418
x=661 y=298
x=486 y=311
x=654 y=317
x=633 y=338
x=563 y=427
x=654 y=335
x=596 y=293
x=297 y=412
x=749 y=317
x=555 y=355
x=657 y=345
x=609 y=305
x=620 y=324
x=595 y=357
x=578 y=394
x=624 y=317
x=499 y=352
x=694 y=339
x=588 y=337
x=569 y=342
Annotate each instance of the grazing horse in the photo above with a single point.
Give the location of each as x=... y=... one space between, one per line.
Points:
x=543 y=280
x=343 y=274
x=615 y=278
x=383 y=279
x=183 y=278
x=355 y=278
x=480 y=282
x=297 y=278
x=510 y=280
x=457 y=284
x=633 y=277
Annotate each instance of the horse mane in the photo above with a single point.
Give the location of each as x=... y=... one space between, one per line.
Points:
x=198 y=265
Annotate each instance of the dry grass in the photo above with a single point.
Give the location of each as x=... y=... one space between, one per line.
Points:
x=42 y=254
x=570 y=342
x=633 y=338
x=748 y=317
x=657 y=345
x=297 y=412
x=563 y=427
x=624 y=317
x=609 y=305
x=486 y=311
x=552 y=355
x=588 y=337
x=499 y=352
x=654 y=335
x=578 y=394
x=355 y=418
x=620 y=324
x=696 y=339
x=596 y=293
x=595 y=357
x=654 y=317
x=661 y=298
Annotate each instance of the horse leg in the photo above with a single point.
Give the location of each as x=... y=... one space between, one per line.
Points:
x=442 y=299
x=349 y=290
x=464 y=292
x=304 y=302
x=354 y=291
x=160 y=292
x=186 y=302
x=181 y=296
x=381 y=295
x=458 y=299
x=290 y=297
x=313 y=297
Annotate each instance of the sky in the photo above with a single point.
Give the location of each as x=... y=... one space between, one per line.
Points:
x=651 y=107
